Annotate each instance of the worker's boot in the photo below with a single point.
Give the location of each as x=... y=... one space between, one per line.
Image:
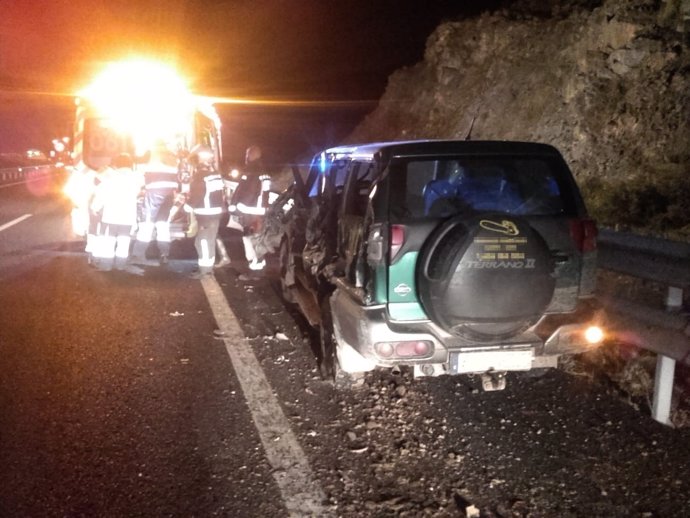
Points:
x=222 y=253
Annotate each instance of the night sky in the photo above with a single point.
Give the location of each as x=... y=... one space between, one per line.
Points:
x=337 y=54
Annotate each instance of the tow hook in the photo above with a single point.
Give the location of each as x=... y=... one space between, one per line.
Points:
x=493 y=380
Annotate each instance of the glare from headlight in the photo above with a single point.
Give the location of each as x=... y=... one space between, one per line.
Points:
x=594 y=335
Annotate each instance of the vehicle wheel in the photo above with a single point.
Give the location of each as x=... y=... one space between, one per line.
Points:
x=285 y=290
x=328 y=362
x=485 y=278
x=329 y=367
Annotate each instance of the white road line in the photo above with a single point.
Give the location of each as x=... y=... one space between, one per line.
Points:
x=302 y=494
x=14 y=222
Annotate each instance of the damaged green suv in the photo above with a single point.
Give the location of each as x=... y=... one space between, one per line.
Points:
x=449 y=257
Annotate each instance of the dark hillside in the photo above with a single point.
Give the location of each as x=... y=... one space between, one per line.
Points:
x=608 y=83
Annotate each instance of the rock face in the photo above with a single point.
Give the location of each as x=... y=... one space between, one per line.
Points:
x=608 y=85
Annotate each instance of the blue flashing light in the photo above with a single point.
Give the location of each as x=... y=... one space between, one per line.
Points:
x=322 y=164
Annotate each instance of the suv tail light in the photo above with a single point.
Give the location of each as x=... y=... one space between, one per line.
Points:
x=406 y=349
x=397 y=239
x=584 y=233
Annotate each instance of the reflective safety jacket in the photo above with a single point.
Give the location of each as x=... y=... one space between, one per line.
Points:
x=251 y=196
x=158 y=176
x=207 y=193
x=161 y=184
x=117 y=195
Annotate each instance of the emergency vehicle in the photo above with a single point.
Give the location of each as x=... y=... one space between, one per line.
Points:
x=131 y=108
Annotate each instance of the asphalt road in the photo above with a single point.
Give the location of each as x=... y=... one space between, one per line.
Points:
x=119 y=397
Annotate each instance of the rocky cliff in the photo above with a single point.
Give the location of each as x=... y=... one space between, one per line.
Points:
x=608 y=84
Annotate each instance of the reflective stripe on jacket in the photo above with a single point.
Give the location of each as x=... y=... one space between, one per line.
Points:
x=160 y=177
x=207 y=194
x=252 y=195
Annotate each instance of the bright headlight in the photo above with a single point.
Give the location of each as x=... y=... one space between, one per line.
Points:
x=594 y=335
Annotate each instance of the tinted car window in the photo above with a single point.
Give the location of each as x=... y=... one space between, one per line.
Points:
x=328 y=172
x=357 y=194
x=442 y=187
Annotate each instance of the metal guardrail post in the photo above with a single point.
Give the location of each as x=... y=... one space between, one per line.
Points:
x=665 y=332
x=663 y=389
x=674 y=298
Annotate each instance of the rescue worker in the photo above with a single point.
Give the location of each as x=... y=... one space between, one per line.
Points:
x=250 y=201
x=184 y=177
x=220 y=245
x=207 y=201
x=116 y=199
x=161 y=186
x=81 y=187
x=180 y=204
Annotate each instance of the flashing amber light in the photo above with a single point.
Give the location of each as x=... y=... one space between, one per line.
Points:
x=144 y=98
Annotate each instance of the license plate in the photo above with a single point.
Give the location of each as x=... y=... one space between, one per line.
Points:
x=497 y=360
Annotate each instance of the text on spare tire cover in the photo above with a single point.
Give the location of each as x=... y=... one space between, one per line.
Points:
x=498 y=252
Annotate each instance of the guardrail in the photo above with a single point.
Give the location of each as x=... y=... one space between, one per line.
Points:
x=10 y=176
x=665 y=331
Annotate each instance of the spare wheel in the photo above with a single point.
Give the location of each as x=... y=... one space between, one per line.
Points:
x=485 y=278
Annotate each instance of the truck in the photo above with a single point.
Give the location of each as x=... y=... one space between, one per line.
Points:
x=132 y=107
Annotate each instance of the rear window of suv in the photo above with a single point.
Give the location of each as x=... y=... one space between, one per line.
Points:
x=430 y=187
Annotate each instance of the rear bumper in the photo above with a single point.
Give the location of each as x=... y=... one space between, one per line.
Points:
x=358 y=328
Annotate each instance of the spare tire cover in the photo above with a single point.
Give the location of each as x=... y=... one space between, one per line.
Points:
x=490 y=275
